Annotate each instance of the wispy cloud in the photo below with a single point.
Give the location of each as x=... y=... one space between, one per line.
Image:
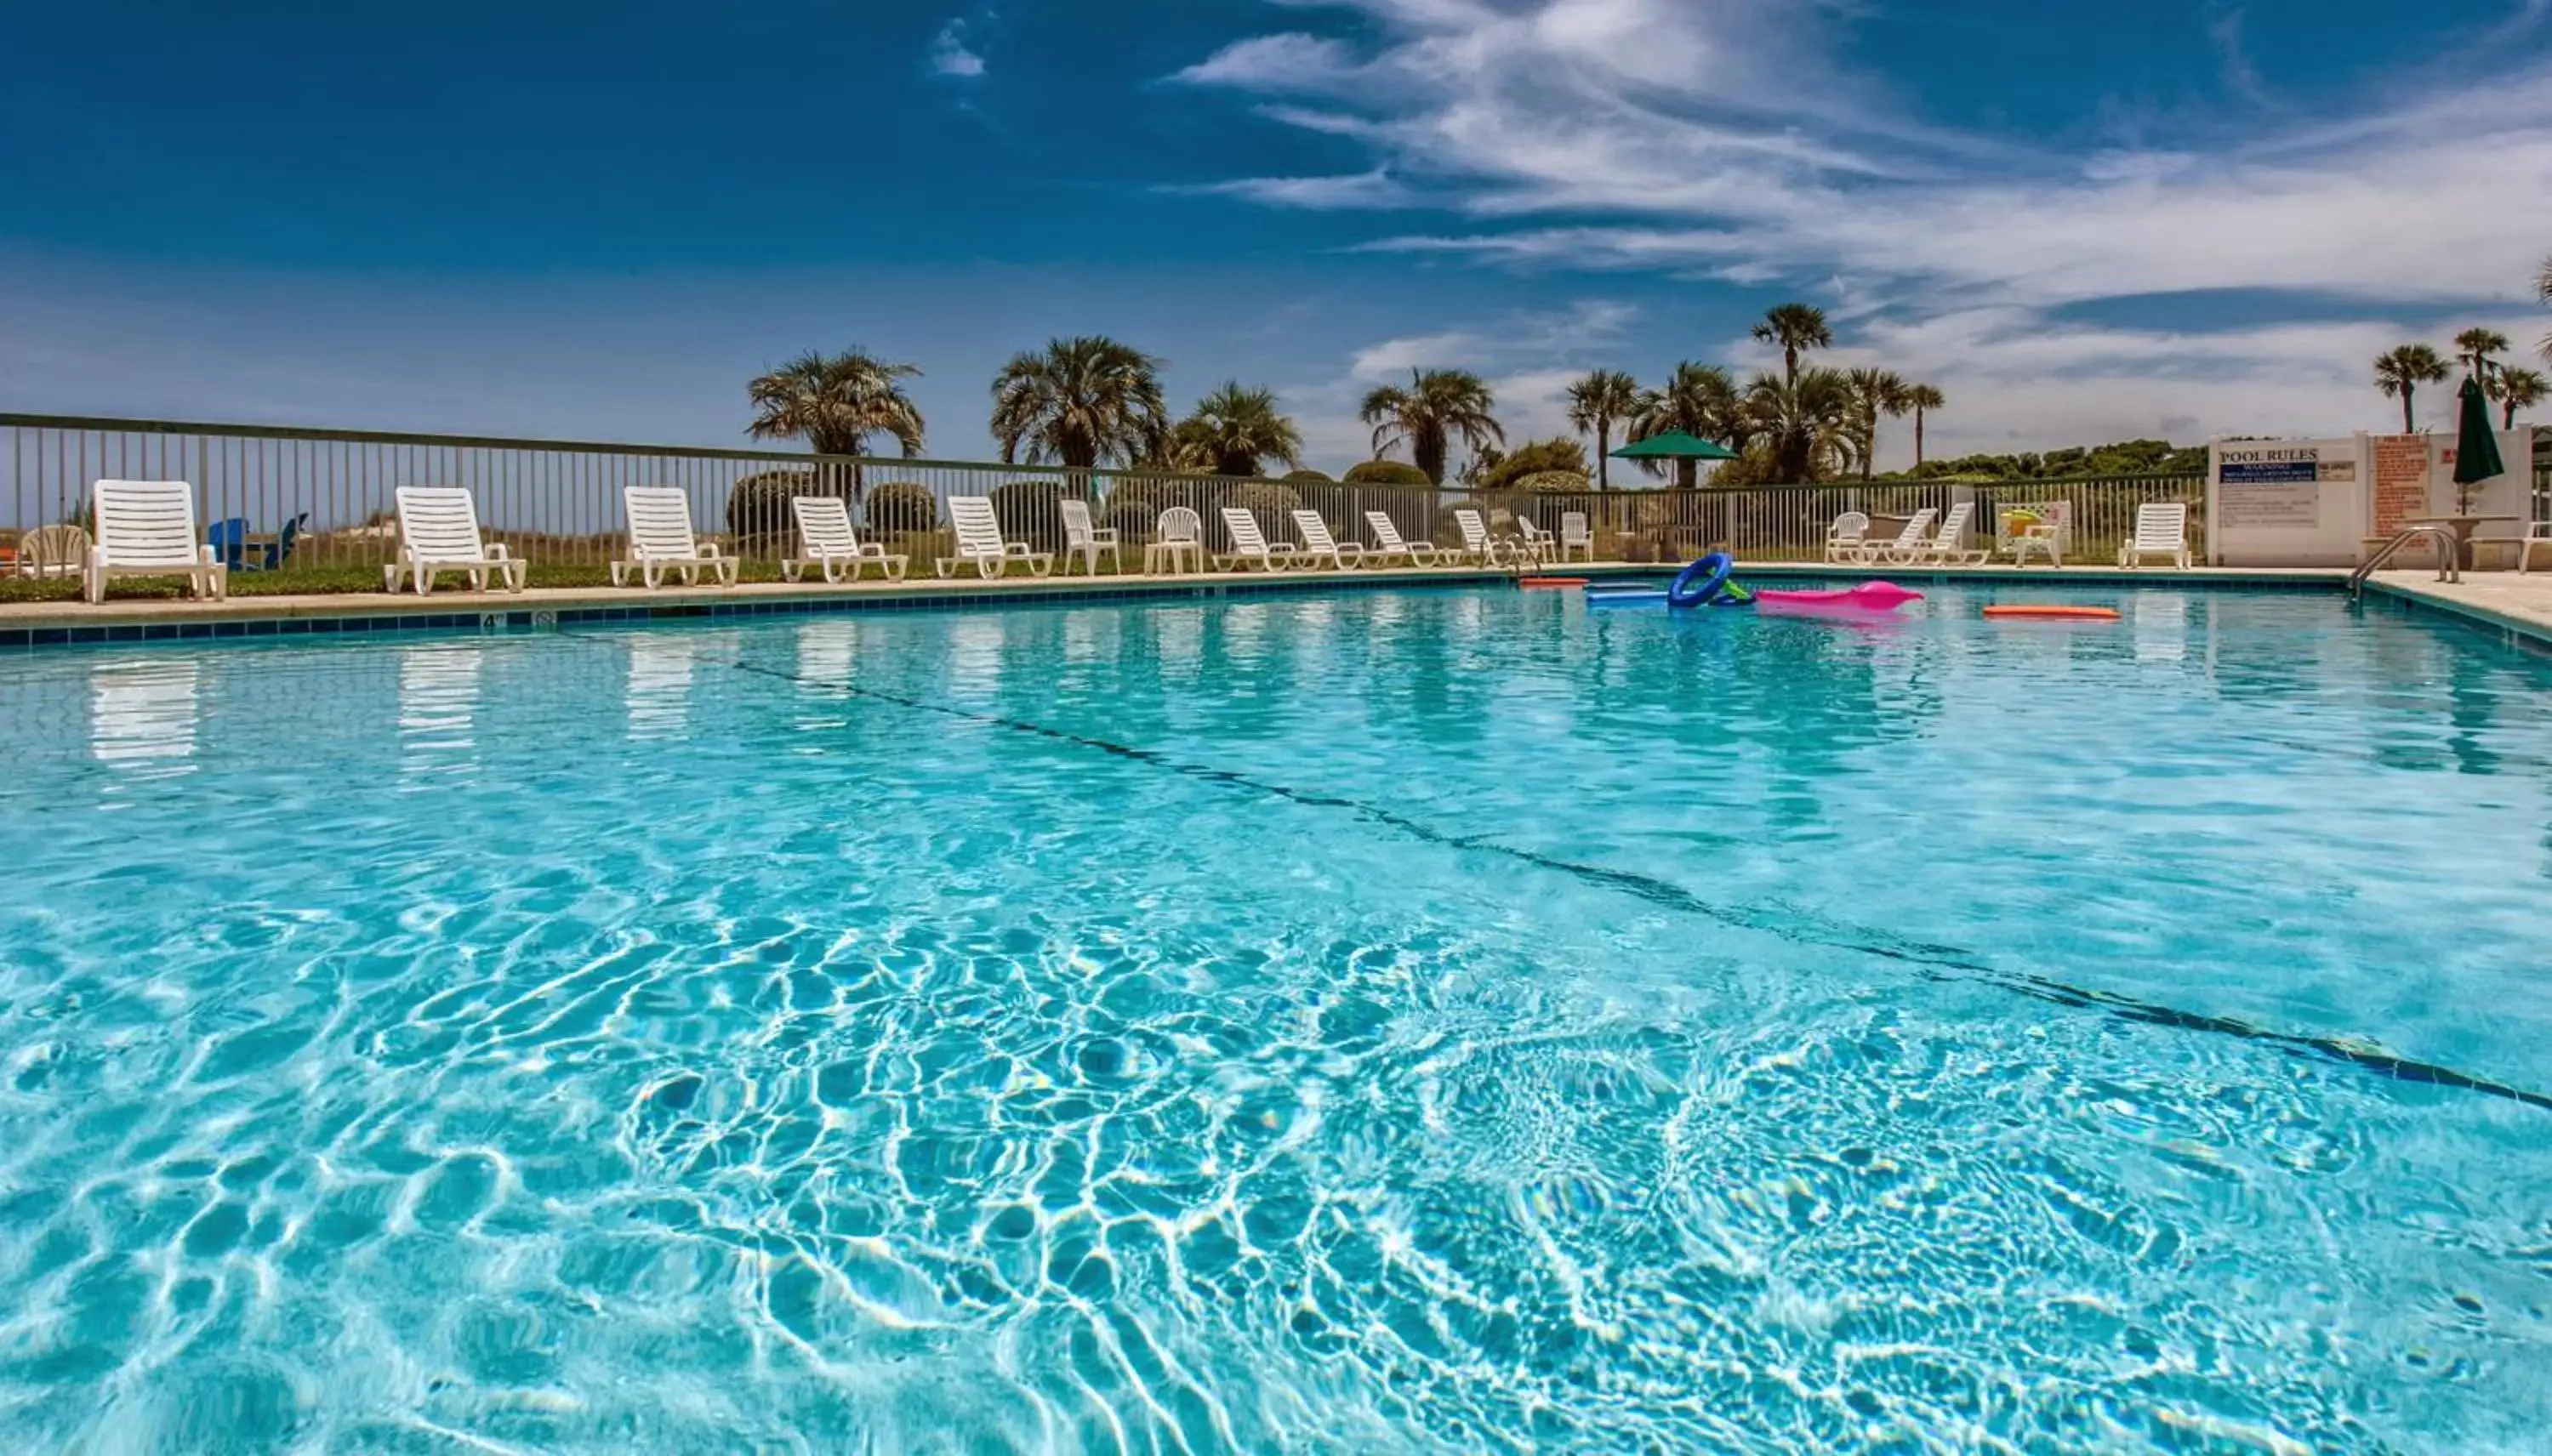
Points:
x=951 y=56
x=1678 y=136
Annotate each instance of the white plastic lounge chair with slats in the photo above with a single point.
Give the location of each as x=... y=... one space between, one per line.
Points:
x=660 y=541
x=147 y=528
x=439 y=532
x=2162 y=529
x=1948 y=546
x=979 y=540
x=1477 y=543
x=1084 y=540
x=826 y=542
x=1576 y=535
x=1909 y=544
x=1388 y=547
x=1846 y=537
x=1319 y=546
x=1248 y=544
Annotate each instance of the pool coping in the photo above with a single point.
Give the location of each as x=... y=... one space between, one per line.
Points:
x=38 y=625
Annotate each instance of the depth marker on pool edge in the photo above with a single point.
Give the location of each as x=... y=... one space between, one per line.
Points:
x=1934 y=962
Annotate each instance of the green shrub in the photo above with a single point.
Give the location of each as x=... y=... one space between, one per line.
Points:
x=1133 y=521
x=902 y=507
x=757 y=506
x=1553 y=482
x=1386 y=472
x=1308 y=476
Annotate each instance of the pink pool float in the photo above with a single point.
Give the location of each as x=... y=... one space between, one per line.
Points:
x=1869 y=599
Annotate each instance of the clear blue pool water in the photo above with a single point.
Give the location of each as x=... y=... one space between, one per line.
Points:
x=1405 y=1021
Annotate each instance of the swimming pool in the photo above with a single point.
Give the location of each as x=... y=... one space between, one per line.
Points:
x=1399 y=1020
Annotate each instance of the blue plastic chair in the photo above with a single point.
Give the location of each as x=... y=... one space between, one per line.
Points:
x=229 y=541
x=281 y=550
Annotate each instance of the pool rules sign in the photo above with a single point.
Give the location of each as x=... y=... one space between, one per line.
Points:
x=2285 y=502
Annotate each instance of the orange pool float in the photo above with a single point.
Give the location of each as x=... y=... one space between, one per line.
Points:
x=1533 y=581
x=2047 y=612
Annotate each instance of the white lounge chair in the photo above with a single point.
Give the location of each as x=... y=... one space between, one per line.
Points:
x=1247 y=545
x=979 y=540
x=2537 y=534
x=1084 y=540
x=147 y=528
x=1389 y=547
x=826 y=542
x=1948 y=546
x=1846 y=537
x=1477 y=543
x=2162 y=529
x=1319 y=546
x=1576 y=535
x=661 y=542
x=1909 y=544
x=439 y=532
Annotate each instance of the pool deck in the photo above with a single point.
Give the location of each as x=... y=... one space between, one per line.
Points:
x=2518 y=606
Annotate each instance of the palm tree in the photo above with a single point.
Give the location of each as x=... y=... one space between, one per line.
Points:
x=1079 y=402
x=2403 y=370
x=1922 y=398
x=1236 y=428
x=1795 y=327
x=1807 y=421
x=836 y=402
x=1437 y=406
x=2543 y=295
x=1701 y=400
x=2476 y=346
x=2517 y=390
x=1594 y=403
x=1874 y=393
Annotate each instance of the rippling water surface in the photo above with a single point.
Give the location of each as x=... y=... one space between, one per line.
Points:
x=1403 y=1022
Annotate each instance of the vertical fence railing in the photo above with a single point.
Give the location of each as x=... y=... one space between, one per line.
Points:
x=558 y=503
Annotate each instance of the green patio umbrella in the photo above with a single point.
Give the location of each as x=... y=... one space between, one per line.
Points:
x=2475 y=447
x=1674 y=445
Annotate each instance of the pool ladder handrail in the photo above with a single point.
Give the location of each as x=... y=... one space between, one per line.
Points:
x=2449 y=553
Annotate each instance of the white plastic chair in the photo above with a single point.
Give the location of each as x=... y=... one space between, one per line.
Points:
x=1177 y=536
x=1477 y=543
x=979 y=540
x=54 y=551
x=661 y=542
x=1388 y=545
x=2162 y=529
x=1576 y=535
x=147 y=528
x=1084 y=540
x=1533 y=544
x=2537 y=534
x=1247 y=545
x=1846 y=537
x=439 y=532
x=1948 y=546
x=1319 y=546
x=826 y=542
x=1909 y=544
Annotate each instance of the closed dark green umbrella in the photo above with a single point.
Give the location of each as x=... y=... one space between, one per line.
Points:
x=2475 y=447
x=1674 y=445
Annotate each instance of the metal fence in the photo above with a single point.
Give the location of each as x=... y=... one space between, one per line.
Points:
x=558 y=503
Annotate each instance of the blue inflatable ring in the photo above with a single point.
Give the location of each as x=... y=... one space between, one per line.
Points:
x=1696 y=585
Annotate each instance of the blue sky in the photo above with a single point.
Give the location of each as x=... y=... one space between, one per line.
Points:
x=594 y=220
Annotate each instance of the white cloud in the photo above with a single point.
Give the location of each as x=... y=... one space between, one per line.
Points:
x=1713 y=139
x=1373 y=189
x=950 y=56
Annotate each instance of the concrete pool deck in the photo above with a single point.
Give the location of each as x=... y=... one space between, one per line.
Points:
x=2520 y=605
